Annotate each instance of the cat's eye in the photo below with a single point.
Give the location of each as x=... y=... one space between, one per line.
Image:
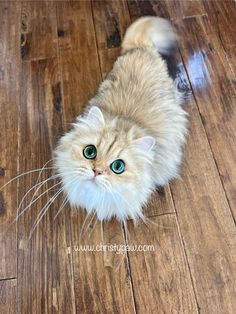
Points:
x=118 y=166
x=90 y=152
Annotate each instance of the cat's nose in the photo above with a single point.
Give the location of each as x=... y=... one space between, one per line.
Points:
x=96 y=172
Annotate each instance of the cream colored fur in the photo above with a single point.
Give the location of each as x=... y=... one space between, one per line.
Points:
x=136 y=116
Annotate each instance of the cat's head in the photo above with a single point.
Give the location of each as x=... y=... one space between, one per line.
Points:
x=105 y=165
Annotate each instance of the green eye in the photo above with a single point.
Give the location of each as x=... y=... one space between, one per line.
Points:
x=118 y=166
x=90 y=152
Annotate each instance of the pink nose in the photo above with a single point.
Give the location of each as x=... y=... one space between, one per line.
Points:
x=97 y=172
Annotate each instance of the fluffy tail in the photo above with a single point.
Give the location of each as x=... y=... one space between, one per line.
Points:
x=150 y=31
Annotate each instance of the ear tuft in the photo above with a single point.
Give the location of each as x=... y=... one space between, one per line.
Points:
x=146 y=143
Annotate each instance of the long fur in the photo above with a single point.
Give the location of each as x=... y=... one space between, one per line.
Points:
x=135 y=116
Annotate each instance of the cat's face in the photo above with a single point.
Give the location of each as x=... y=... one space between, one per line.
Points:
x=103 y=165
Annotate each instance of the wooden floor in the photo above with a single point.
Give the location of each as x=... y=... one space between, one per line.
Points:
x=52 y=57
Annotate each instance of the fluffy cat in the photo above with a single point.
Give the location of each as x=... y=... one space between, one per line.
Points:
x=130 y=138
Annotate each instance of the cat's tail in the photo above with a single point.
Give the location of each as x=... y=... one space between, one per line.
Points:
x=150 y=31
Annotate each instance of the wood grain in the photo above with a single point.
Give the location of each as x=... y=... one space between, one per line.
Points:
x=222 y=15
x=9 y=108
x=162 y=272
x=45 y=274
x=45 y=279
x=102 y=281
x=81 y=74
x=8 y=296
x=174 y=10
x=178 y=9
x=206 y=224
x=138 y=8
x=213 y=254
x=215 y=95
x=111 y=19
x=38 y=30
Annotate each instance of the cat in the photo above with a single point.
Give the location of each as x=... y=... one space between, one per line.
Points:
x=131 y=136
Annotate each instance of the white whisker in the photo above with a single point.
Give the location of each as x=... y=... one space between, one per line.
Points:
x=81 y=231
x=91 y=220
x=147 y=220
x=66 y=199
x=23 y=211
x=18 y=215
x=23 y=174
x=91 y=231
x=56 y=176
x=38 y=185
x=43 y=212
x=61 y=207
x=101 y=229
x=42 y=171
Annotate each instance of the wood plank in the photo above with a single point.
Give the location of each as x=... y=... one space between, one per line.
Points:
x=111 y=20
x=38 y=30
x=222 y=15
x=205 y=220
x=206 y=224
x=45 y=278
x=9 y=102
x=163 y=285
x=215 y=93
x=174 y=10
x=81 y=77
x=102 y=282
x=45 y=273
x=184 y=8
x=8 y=296
x=110 y=32
x=138 y=8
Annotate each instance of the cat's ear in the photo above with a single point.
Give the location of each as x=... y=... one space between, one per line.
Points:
x=94 y=117
x=145 y=143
